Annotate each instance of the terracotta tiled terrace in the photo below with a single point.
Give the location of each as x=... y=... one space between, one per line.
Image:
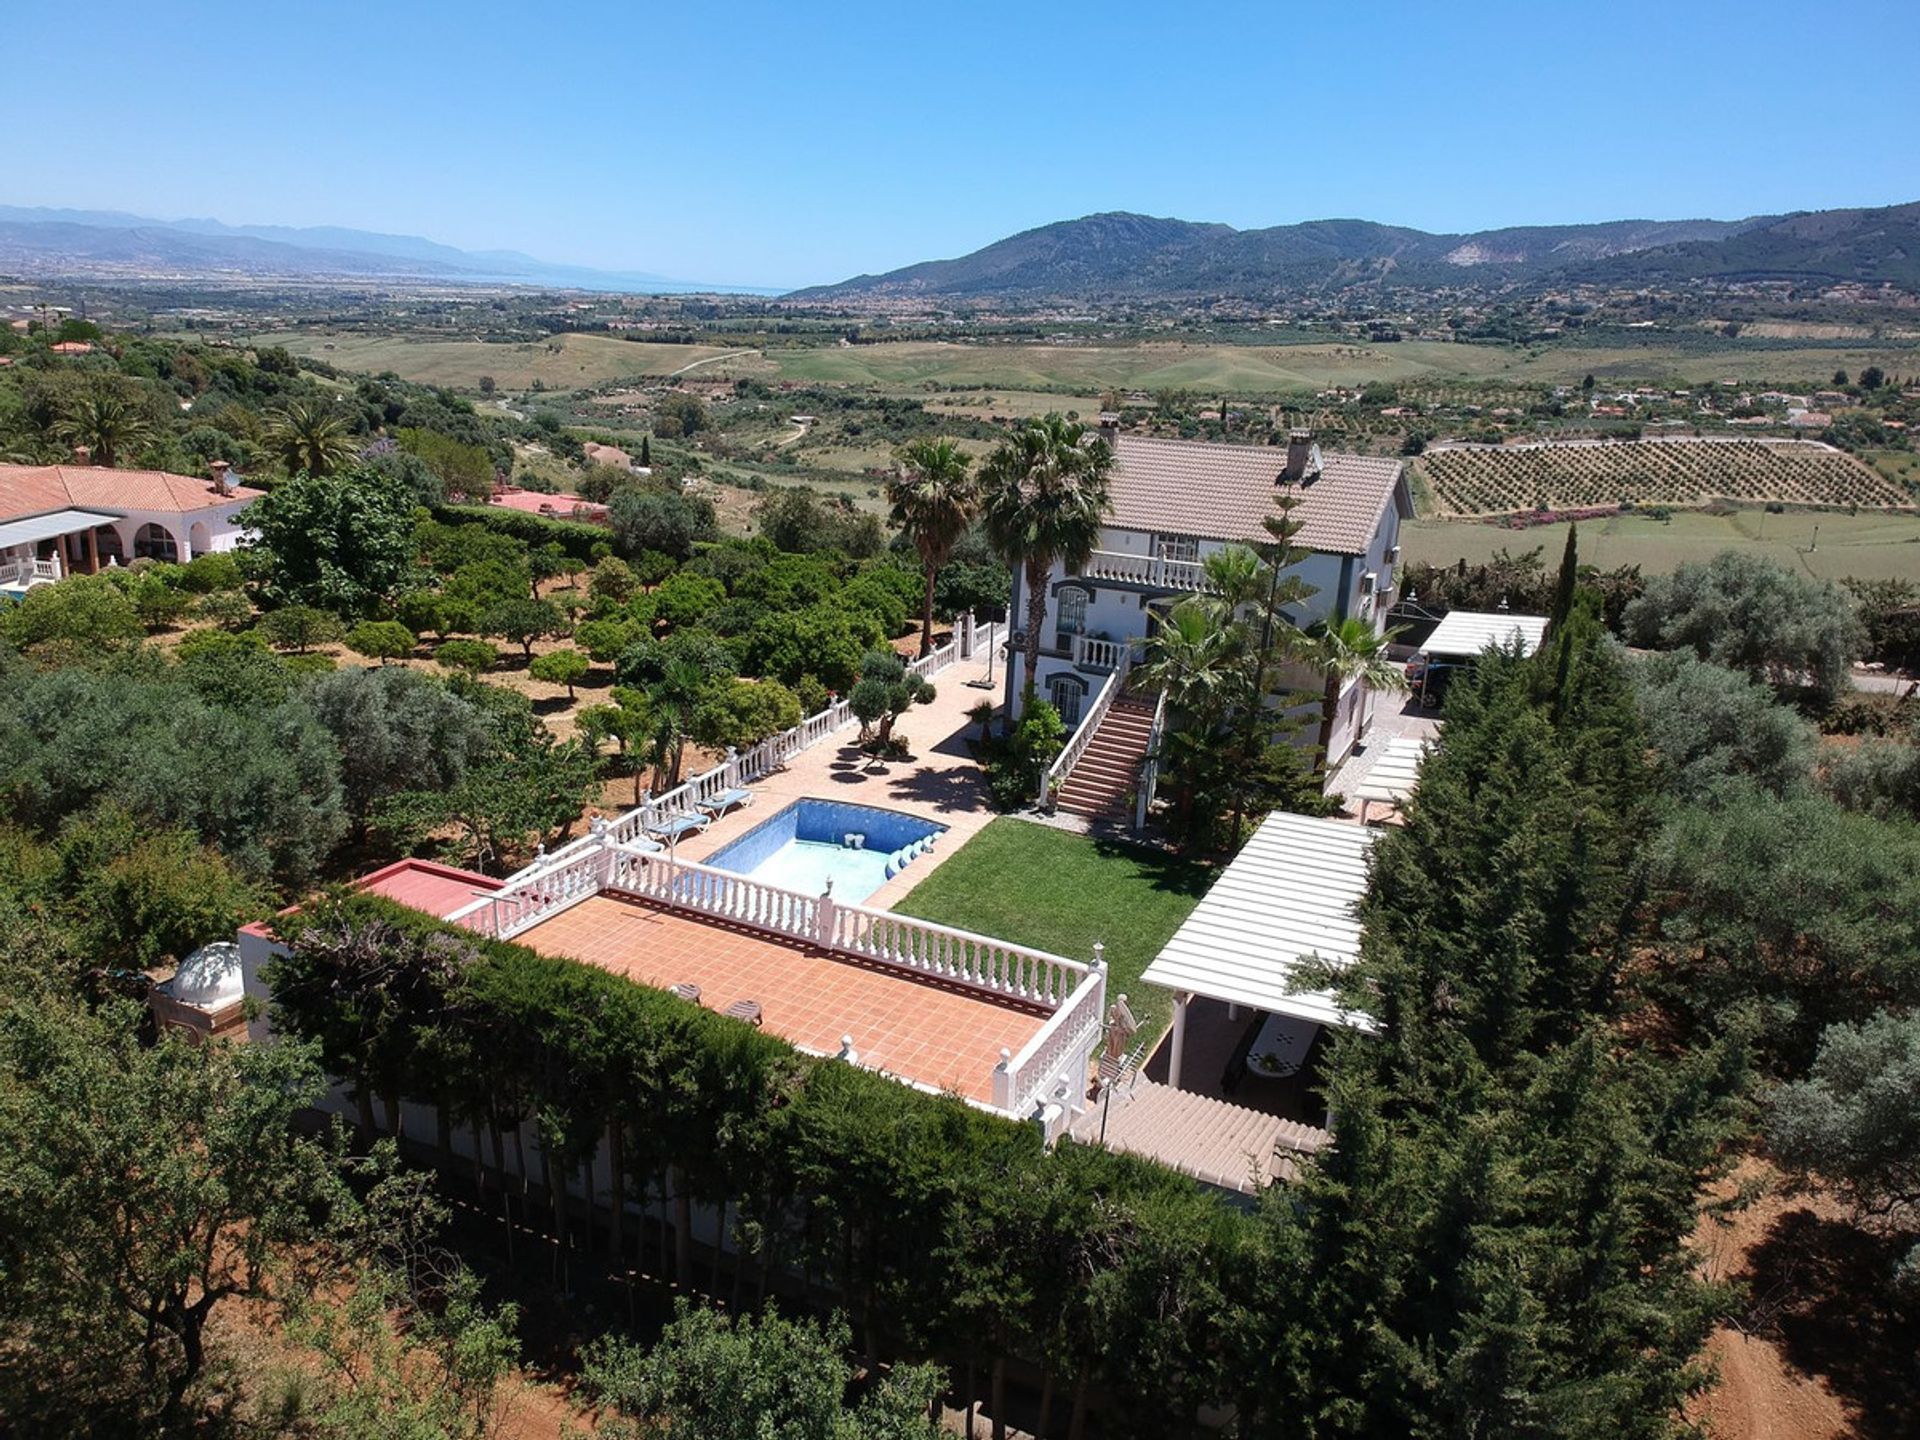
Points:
x=946 y=1037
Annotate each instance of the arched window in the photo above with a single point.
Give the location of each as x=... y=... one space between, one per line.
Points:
x=1072 y=612
x=155 y=542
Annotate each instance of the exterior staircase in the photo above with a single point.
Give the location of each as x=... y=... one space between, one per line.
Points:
x=1212 y=1140
x=1098 y=785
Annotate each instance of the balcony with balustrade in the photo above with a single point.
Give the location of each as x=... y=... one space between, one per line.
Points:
x=18 y=571
x=1157 y=573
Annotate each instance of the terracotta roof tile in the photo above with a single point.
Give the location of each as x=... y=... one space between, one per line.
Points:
x=1223 y=492
x=30 y=489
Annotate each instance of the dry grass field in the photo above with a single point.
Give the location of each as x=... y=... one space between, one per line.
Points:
x=562 y=362
x=1065 y=373
x=1871 y=545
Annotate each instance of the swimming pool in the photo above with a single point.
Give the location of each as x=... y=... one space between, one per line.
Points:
x=858 y=847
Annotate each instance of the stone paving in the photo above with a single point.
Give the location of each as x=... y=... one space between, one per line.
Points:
x=939 y=781
x=1407 y=717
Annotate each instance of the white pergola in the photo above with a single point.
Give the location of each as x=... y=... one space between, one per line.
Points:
x=1288 y=896
x=1393 y=775
x=1465 y=633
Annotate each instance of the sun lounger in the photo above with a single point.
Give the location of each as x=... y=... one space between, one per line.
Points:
x=687 y=991
x=747 y=1010
x=672 y=827
x=718 y=805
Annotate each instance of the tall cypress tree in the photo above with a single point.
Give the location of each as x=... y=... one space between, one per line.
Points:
x=1569 y=578
x=1496 y=1243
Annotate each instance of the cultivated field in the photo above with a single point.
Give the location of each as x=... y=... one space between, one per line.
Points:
x=1081 y=371
x=1872 y=545
x=562 y=362
x=1499 y=479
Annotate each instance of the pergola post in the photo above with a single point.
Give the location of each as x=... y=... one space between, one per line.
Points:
x=1180 y=1001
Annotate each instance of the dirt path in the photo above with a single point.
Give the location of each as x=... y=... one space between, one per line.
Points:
x=730 y=355
x=1781 y=1367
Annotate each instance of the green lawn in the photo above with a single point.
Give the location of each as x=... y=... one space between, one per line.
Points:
x=1054 y=890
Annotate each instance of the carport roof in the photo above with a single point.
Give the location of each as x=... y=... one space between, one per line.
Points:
x=1472 y=632
x=31 y=529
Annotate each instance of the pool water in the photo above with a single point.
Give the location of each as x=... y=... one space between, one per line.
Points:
x=858 y=847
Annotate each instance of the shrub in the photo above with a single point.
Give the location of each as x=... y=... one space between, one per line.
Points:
x=576 y=537
x=299 y=628
x=605 y=639
x=560 y=667
x=684 y=599
x=228 y=609
x=77 y=619
x=474 y=657
x=381 y=640
x=523 y=622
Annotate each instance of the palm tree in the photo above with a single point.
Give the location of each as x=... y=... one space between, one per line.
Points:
x=1045 y=498
x=1348 y=650
x=311 y=437
x=107 y=423
x=934 y=496
x=1195 y=659
x=669 y=711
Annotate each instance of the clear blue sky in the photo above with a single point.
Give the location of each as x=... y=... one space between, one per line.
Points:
x=794 y=143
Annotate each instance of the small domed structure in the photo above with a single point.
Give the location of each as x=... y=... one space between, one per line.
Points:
x=205 y=995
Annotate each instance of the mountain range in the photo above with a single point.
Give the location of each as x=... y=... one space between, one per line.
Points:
x=1121 y=256
x=74 y=244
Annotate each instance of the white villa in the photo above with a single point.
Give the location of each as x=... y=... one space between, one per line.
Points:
x=1173 y=503
x=60 y=520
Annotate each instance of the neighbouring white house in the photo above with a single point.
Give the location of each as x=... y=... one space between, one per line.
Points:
x=1175 y=502
x=60 y=520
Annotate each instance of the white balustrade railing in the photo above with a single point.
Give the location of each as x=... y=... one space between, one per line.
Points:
x=1022 y=1082
x=26 y=570
x=1154 y=571
x=752 y=764
x=521 y=904
x=958 y=956
x=723 y=894
x=1094 y=654
x=1083 y=734
x=1150 y=764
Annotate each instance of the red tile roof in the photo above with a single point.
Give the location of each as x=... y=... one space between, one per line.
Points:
x=438 y=890
x=561 y=506
x=1223 y=492
x=31 y=489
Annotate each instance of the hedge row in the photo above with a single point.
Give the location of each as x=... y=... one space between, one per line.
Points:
x=946 y=1231
x=582 y=541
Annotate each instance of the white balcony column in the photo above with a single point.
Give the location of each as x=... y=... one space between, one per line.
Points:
x=1180 y=1002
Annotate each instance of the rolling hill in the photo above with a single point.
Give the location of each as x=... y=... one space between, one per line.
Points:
x=1122 y=256
x=69 y=244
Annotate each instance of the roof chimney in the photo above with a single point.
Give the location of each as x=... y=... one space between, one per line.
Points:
x=82 y=455
x=1110 y=429
x=1303 y=457
x=222 y=483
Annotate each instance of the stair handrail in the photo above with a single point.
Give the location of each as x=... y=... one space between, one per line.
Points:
x=1150 y=765
x=1071 y=752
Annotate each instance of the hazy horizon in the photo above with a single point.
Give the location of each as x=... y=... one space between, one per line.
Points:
x=798 y=148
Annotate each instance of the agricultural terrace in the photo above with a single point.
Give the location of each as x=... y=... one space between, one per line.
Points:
x=1501 y=479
